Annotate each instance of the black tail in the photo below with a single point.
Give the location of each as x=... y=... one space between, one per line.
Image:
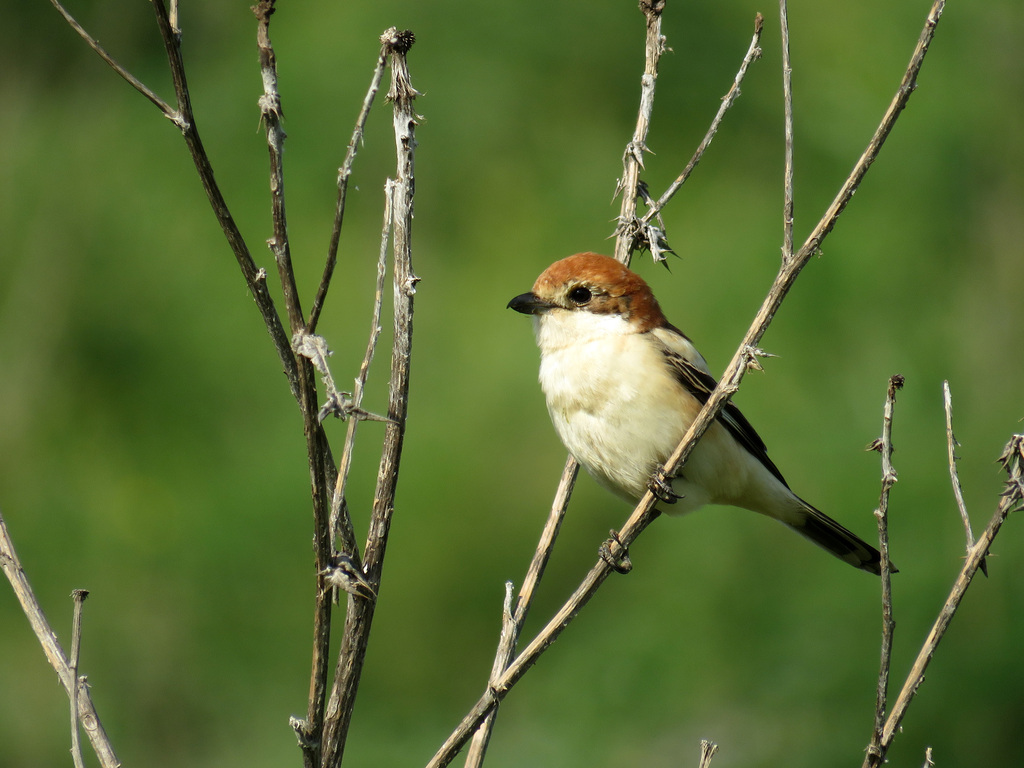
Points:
x=830 y=535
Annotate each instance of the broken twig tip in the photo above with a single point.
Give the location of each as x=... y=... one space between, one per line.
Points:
x=398 y=41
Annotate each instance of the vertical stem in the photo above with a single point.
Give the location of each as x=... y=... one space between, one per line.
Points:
x=882 y=514
x=787 y=97
x=359 y=617
x=78 y=596
x=271 y=113
x=632 y=160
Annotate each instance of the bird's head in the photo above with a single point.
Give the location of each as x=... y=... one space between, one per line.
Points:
x=589 y=293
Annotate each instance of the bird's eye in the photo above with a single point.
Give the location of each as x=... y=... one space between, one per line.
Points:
x=580 y=295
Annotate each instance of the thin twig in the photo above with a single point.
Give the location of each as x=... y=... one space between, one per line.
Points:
x=344 y=172
x=255 y=278
x=707 y=751
x=78 y=596
x=340 y=521
x=632 y=159
x=359 y=617
x=884 y=446
x=541 y=556
x=787 y=98
x=169 y=112
x=752 y=55
x=498 y=689
x=271 y=113
x=899 y=101
x=644 y=513
x=87 y=716
x=954 y=476
x=506 y=649
x=1012 y=500
x=547 y=540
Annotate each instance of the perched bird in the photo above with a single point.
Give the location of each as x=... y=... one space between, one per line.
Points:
x=623 y=385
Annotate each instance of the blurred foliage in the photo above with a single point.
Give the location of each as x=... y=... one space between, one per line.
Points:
x=149 y=450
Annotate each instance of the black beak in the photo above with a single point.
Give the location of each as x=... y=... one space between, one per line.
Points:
x=530 y=304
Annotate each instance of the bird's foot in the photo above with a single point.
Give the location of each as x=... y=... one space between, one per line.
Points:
x=661 y=486
x=615 y=553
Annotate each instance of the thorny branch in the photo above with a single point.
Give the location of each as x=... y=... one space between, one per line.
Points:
x=1012 y=499
x=654 y=210
x=884 y=446
x=633 y=159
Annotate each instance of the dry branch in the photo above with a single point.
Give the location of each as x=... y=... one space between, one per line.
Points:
x=1012 y=498
x=787 y=100
x=344 y=172
x=78 y=596
x=628 y=229
x=359 y=616
x=884 y=446
x=68 y=674
x=954 y=476
x=752 y=55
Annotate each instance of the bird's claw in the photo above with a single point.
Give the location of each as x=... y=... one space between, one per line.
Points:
x=661 y=486
x=615 y=553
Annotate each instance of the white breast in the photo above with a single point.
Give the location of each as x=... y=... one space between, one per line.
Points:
x=612 y=398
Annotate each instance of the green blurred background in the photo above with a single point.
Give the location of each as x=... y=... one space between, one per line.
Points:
x=150 y=452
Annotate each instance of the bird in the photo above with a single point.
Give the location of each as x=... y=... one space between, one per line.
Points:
x=623 y=385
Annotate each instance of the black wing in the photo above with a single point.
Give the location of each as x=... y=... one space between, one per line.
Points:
x=700 y=384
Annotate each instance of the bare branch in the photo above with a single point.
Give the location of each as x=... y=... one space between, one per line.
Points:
x=541 y=556
x=954 y=477
x=632 y=159
x=90 y=721
x=78 y=596
x=707 y=751
x=884 y=446
x=344 y=172
x=169 y=112
x=255 y=277
x=340 y=522
x=787 y=98
x=752 y=55
x=1011 y=500
x=359 y=616
x=271 y=114
x=899 y=101
x=506 y=649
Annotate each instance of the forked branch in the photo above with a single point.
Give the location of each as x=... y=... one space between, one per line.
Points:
x=1012 y=499
x=359 y=616
x=67 y=671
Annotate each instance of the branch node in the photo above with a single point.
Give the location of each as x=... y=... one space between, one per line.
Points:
x=347 y=576
x=302 y=732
